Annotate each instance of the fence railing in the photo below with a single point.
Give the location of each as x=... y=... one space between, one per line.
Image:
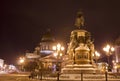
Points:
x=56 y=76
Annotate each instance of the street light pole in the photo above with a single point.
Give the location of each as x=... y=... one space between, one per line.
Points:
x=97 y=55
x=58 y=54
x=21 y=62
x=108 y=49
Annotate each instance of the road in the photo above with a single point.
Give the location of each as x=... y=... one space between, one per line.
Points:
x=15 y=77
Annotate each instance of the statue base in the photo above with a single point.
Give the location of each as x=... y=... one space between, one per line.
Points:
x=79 y=68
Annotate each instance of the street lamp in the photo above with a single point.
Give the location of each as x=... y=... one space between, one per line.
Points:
x=96 y=55
x=58 y=50
x=109 y=50
x=58 y=54
x=21 y=62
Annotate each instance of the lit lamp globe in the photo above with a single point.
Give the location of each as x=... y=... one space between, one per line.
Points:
x=109 y=50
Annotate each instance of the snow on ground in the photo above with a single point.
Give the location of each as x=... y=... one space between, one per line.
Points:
x=3 y=72
x=15 y=77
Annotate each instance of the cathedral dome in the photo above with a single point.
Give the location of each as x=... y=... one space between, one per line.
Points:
x=46 y=43
x=47 y=37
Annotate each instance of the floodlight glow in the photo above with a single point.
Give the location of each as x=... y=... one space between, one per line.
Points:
x=54 y=47
x=55 y=54
x=112 y=49
x=62 y=48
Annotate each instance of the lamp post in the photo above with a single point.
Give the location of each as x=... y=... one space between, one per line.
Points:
x=109 y=50
x=58 y=54
x=96 y=56
x=21 y=62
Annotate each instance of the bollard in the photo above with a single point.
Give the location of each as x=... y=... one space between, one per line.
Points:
x=41 y=75
x=81 y=76
x=58 y=76
x=106 y=76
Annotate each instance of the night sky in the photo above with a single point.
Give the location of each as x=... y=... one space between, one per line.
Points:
x=23 y=22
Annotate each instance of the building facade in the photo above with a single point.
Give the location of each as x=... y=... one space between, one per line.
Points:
x=117 y=55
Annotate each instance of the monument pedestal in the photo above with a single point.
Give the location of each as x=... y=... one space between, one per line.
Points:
x=77 y=69
x=78 y=72
x=81 y=52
